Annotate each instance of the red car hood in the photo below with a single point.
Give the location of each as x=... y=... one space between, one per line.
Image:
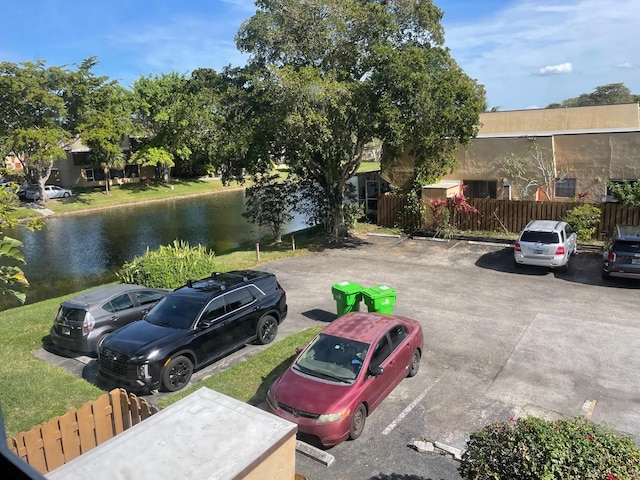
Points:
x=308 y=394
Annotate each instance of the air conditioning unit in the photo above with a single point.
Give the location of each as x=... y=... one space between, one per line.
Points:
x=609 y=199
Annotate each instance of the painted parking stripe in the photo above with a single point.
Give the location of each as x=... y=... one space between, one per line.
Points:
x=407 y=410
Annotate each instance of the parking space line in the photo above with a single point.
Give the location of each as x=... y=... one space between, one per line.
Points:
x=407 y=410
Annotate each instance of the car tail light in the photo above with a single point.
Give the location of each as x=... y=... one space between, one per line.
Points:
x=517 y=248
x=88 y=323
x=611 y=257
x=560 y=250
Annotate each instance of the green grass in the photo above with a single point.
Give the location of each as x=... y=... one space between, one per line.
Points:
x=133 y=193
x=31 y=391
x=369 y=166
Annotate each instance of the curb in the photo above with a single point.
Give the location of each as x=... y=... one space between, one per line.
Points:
x=423 y=447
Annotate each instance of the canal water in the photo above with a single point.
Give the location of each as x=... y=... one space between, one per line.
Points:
x=74 y=252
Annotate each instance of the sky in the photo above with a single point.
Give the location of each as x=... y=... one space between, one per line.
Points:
x=526 y=53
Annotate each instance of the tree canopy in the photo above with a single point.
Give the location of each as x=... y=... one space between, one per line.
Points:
x=611 y=94
x=338 y=74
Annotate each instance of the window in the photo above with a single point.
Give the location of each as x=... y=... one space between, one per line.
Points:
x=88 y=173
x=119 y=303
x=397 y=335
x=381 y=352
x=566 y=187
x=80 y=158
x=480 y=188
x=238 y=299
x=148 y=296
x=619 y=182
x=214 y=310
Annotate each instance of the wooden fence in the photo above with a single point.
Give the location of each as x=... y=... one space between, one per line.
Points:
x=64 y=438
x=509 y=215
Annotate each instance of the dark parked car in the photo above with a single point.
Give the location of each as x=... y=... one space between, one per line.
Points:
x=345 y=372
x=621 y=257
x=83 y=321
x=192 y=326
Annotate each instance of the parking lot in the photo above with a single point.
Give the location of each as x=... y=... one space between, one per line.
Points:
x=499 y=343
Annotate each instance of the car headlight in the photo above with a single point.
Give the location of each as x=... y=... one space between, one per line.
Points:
x=333 y=417
x=147 y=356
x=272 y=401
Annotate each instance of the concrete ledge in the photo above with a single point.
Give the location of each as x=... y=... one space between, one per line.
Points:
x=315 y=453
x=454 y=452
x=389 y=235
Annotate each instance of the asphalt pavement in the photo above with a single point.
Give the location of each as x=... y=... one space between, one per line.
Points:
x=499 y=343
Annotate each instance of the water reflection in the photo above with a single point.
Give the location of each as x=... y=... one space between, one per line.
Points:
x=71 y=253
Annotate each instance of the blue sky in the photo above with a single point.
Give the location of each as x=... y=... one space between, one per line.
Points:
x=527 y=53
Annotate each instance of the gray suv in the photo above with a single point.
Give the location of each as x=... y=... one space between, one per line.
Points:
x=621 y=257
x=84 y=320
x=546 y=243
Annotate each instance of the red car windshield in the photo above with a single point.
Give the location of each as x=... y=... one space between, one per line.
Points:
x=333 y=358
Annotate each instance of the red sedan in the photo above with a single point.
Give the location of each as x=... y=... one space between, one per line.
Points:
x=345 y=372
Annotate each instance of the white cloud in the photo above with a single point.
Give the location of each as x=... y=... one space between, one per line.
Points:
x=502 y=48
x=555 y=69
x=625 y=65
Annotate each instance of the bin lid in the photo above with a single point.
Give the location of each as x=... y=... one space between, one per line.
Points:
x=379 y=291
x=347 y=287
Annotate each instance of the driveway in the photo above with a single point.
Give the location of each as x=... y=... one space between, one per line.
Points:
x=499 y=343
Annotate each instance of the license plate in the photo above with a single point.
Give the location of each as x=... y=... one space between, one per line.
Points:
x=66 y=331
x=635 y=261
x=538 y=252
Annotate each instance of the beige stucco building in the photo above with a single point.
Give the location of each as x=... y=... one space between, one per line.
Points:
x=77 y=170
x=590 y=144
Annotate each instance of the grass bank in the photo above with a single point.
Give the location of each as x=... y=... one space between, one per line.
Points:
x=86 y=199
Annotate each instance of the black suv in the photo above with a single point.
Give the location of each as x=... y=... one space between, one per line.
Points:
x=622 y=255
x=194 y=325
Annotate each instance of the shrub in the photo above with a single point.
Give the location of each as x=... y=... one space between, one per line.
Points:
x=169 y=267
x=531 y=448
x=584 y=219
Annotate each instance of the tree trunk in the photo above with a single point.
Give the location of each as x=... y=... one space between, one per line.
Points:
x=337 y=227
x=106 y=181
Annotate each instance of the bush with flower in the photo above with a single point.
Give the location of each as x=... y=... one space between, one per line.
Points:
x=532 y=448
x=446 y=211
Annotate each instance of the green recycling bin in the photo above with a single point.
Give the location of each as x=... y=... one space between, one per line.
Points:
x=347 y=296
x=379 y=299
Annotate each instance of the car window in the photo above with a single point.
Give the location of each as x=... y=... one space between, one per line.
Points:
x=397 y=334
x=71 y=314
x=626 y=247
x=380 y=352
x=148 y=296
x=176 y=311
x=539 y=237
x=238 y=299
x=121 y=302
x=214 y=310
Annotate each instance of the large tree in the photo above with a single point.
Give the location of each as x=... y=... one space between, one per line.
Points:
x=103 y=118
x=32 y=114
x=180 y=116
x=340 y=73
